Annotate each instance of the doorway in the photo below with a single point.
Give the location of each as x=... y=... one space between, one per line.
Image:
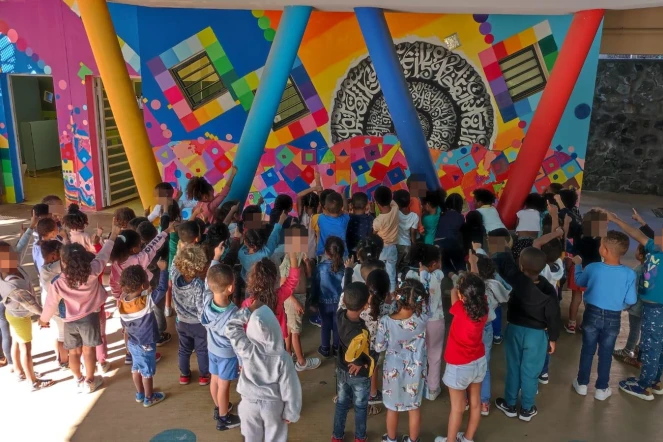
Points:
x=36 y=131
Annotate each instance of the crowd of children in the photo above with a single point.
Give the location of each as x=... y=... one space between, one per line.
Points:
x=373 y=272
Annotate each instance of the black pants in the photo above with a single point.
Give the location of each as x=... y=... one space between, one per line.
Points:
x=192 y=336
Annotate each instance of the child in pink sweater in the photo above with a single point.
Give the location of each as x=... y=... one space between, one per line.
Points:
x=200 y=190
x=83 y=295
x=75 y=222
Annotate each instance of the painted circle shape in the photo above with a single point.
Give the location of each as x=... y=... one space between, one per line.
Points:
x=163 y=126
x=229 y=137
x=62 y=84
x=47 y=70
x=451 y=99
x=313 y=144
x=485 y=28
x=480 y=18
x=2 y=125
x=489 y=39
x=84 y=122
x=582 y=111
x=522 y=124
x=167 y=134
x=155 y=104
x=201 y=140
x=21 y=44
x=12 y=35
x=175 y=434
x=28 y=52
x=269 y=34
x=263 y=22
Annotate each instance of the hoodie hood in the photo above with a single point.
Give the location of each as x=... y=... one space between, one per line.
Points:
x=215 y=323
x=497 y=293
x=265 y=331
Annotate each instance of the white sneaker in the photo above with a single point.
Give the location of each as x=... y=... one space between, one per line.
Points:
x=91 y=386
x=602 y=395
x=80 y=383
x=431 y=395
x=311 y=364
x=580 y=389
x=441 y=439
x=104 y=366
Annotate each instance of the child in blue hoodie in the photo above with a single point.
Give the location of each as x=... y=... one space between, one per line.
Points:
x=223 y=363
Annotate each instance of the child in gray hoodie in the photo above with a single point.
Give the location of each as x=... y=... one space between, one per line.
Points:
x=223 y=363
x=271 y=392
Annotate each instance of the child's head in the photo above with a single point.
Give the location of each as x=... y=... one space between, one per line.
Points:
x=411 y=295
x=382 y=196
x=191 y=262
x=536 y=202
x=163 y=194
x=47 y=229
x=431 y=202
x=334 y=250
x=296 y=239
x=199 y=189
x=223 y=211
x=74 y=219
x=334 y=203
x=378 y=285
x=134 y=223
x=261 y=282
x=532 y=262
x=402 y=199
x=251 y=218
x=189 y=232
x=122 y=217
x=474 y=219
x=554 y=188
x=41 y=210
x=126 y=245
x=323 y=197
x=8 y=257
x=553 y=250
x=147 y=232
x=173 y=211
x=220 y=280
x=416 y=183
x=569 y=198
x=431 y=257
x=311 y=201
x=483 y=197
x=472 y=293
x=614 y=245
x=359 y=202
x=254 y=240
x=368 y=266
x=640 y=253
x=499 y=240
x=595 y=223
x=55 y=206
x=50 y=251
x=486 y=267
x=355 y=296
x=455 y=202
x=76 y=264
x=283 y=203
x=134 y=280
x=369 y=247
x=216 y=234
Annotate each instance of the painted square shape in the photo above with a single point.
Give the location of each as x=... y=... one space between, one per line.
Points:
x=372 y=153
x=522 y=108
x=487 y=57
x=508 y=113
x=503 y=100
x=213 y=109
x=215 y=51
x=222 y=163
x=182 y=51
x=194 y=44
x=165 y=81
x=378 y=171
x=252 y=80
x=285 y=156
x=85 y=173
x=296 y=130
x=4 y=155
x=492 y=71
x=541 y=185
x=572 y=168
x=558 y=176
x=527 y=37
x=270 y=177
x=201 y=115
x=299 y=75
x=226 y=101
x=308 y=157
x=550 y=60
x=512 y=44
x=500 y=50
x=321 y=117
x=181 y=109
x=396 y=175
x=206 y=37
x=291 y=171
x=283 y=135
x=542 y=30
x=84 y=155
x=190 y=122
x=156 y=66
x=306 y=89
x=314 y=103
x=500 y=165
x=467 y=163
x=241 y=87
x=360 y=167
x=548 y=45
x=550 y=164
x=511 y=154
x=246 y=101
x=223 y=65
x=498 y=86
x=308 y=124
x=169 y=58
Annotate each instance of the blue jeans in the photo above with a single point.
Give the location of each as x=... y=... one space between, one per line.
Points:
x=600 y=328
x=390 y=256
x=351 y=390
x=497 y=322
x=328 y=316
x=5 y=335
x=525 y=349
x=651 y=344
x=192 y=337
x=488 y=345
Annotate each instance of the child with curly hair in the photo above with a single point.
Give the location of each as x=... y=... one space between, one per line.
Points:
x=200 y=190
x=75 y=223
x=83 y=295
x=123 y=216
x=255 y=248
x=485 y=201
x=465 y=355
x=402 y=336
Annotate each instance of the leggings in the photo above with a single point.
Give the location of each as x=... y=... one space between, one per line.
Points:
x=328 y=316
x=6 y=337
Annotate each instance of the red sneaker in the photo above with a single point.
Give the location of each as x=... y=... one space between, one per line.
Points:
x=157 y=357
x=336 y=439
x=185 y=379
x=204 y=380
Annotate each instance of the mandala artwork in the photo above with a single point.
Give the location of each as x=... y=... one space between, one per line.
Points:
x=451 y=99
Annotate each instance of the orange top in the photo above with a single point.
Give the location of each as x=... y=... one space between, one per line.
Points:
x=415 y=206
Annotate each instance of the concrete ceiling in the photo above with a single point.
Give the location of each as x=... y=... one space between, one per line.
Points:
x=431 y=6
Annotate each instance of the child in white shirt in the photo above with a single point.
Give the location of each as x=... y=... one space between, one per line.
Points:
x=485 y=200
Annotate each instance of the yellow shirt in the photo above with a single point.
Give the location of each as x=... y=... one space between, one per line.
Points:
x=386 y=225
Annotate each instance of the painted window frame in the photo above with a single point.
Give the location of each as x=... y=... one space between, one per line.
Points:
x=282 y=123
x=540 y=67
x=174 y=71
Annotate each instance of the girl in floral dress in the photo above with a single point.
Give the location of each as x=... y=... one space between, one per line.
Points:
x=403 y=336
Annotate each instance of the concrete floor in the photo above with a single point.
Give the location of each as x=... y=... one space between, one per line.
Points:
x=110 y=414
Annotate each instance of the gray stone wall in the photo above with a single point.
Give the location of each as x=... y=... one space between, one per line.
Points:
x=625 y=148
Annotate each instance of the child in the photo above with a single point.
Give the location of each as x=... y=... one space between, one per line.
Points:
x=534 y=322
x=485 y=200
x=83 y=295
x=51 y=269
x=354 y=365
x=187 y=277
x=431 y=214
x=610 y=288
x=282 y=204
x=163 y=194
x=368 y=250
x=55 y=206
x=386 y=227
x=200 y=190
x=136 y=306
x=328 y=280
x=403 y=336
x=255 y=248
x=332 y=223
x=271 y=392
x=473 y=230
x=307 y=204
x=47 y=230
x=466 y=355
x=408 y=225
x=416 y=186
x=360 y=224
x=449 y=235
x=529 y=218
x=75 y=222
x=122 y=216
x=224 y=366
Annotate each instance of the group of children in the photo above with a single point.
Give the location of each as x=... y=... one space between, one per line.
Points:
x=373 y=272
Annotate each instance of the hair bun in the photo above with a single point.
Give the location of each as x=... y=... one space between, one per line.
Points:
x=73 y=208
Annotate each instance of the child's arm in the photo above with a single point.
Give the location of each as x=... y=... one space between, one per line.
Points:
x=413 y=235
x=545 y=239
x=473 y=259
x=25 y=238
x=275 y=236
x=237 y=335
x=288 y=287
x=162 y=286
x=291 y=391
x=553 y=320
x=154 y=214
x=98 y=264
x=345 y=199
x=302 y=194
x=26 y=300
x=50 y=305
x=634 y=233
x=581 y=276
x=231 y=213
x=454 y=295
x=146 y=255
x=349 y=272
x=631 y=291
x=218 y=199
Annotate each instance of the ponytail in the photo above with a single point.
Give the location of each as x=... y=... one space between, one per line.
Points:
x=335 y=250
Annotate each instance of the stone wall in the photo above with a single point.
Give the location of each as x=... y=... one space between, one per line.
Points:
x=625 y=147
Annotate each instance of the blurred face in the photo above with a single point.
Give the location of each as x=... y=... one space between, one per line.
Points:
x=50 y=235
x=8 y=259
x=639 y=256
x=594 y=226
x=417 y=189
x=295 y=241
x=52 y=257
x=253 y=221
x=162 y=197
x=56 y=210
x=496 y=244
x=206 y=197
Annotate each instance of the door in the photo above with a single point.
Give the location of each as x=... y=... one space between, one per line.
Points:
x=118 y=181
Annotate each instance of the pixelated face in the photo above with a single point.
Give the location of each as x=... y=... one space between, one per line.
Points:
x=594 y=226
x=52 y=257
x=56 y=210
x=659 y=240
x=295 y=241
x=163 y=197
x=253 y=221
x=8 y=259
x=496 y=244
x=417 y=189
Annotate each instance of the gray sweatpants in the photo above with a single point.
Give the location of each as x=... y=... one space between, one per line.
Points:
x=262 y=421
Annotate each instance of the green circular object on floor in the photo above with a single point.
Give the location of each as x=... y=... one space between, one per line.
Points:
x=175 y=435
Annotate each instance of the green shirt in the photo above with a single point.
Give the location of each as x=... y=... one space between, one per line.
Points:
x=430 y=226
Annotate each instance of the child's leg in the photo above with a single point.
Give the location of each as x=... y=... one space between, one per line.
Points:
x=497 y=323
x=186 y=346
x=392 y=424
x=514 y=358
x=327 y=317
x=474 y=394
x=606 y=341
x=200 y=342
x=485 y=384
x=457 y=398
x=169 y=296
x=335 y=330
x=102 y=349
x=414 y=418
x=138 y=382
x=390 y=255
x=435 y=344
x=276 y=429
x=534 y=349
x=75 y=362
x=634 y=324
x=214 y=389
x=343 y=403
x=590 y=340
x=16 y=356
x=223 y=396
x=90 y=359
x=374 y=381
x=297 y=347
x=6 y=336
x=148 y=384
x=161 y=316
x=576 y=300
x=25 y=348
x=288 y=342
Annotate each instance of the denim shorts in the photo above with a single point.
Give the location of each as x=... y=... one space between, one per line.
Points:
x=144 y=359
x=459 y=377
x=227 y=369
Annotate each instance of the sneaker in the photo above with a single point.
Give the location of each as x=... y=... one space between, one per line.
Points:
x=485 y=408
x=580 y=389
x=325 y=352
x=657 y=388
x=460 y=437
x=623 y=353
x=527 y=415
x=140 y=397
x=509 y=410
x=406 y=438
x=357 y=439
x=185 y=379
x=227 y=422
x=441 y=439
x=631 y=386
x=128 y=359
x=91 y=385
x=216 y=411
x=602 y=394
x=157 y=357
x=164 y=339
x=385 y=438
x=40 y=384
x=157 y=397
x=315 y=320
x=337 y=439
x=310 y=364
x=431 y=395
x=204 y=380
x=570 y=328
x=544 y=378
x=497 y=340
x=64 y=366
x=79 y=384
x=334 y=351
x=104 y=366
x=375 y=400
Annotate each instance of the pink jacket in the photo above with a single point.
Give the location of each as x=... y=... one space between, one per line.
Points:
x=209 y=208
x=82 y=238
x=142 y=258
x=86 y=299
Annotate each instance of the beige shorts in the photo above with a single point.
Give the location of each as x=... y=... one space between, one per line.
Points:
x=294 y=320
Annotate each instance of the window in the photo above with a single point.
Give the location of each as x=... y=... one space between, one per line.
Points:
x=291 y=108
x=198 y=80
x=523 y=73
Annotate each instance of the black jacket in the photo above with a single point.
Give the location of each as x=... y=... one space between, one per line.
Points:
x=347 y=332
